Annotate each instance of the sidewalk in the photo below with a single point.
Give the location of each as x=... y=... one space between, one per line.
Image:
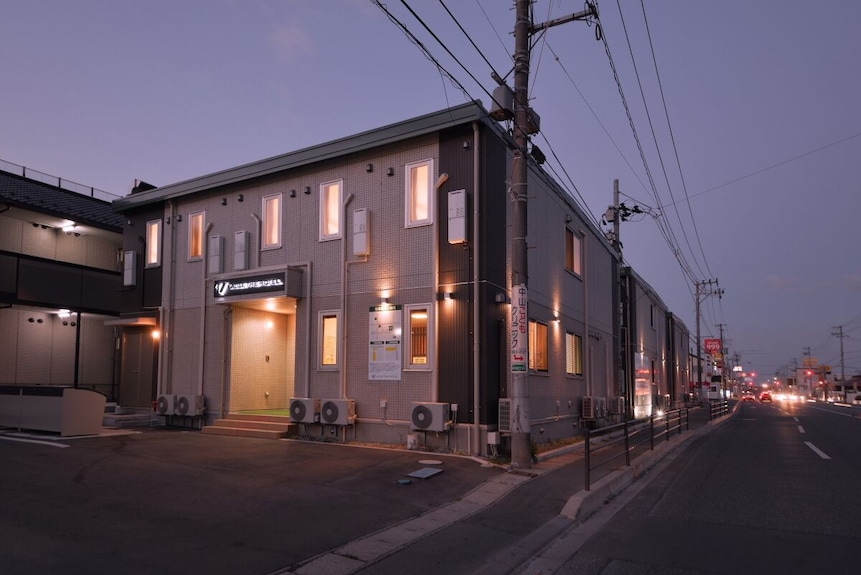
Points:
x=500 y=524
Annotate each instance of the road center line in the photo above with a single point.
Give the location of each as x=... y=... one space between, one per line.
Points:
x=800 y=429
x=816 y=450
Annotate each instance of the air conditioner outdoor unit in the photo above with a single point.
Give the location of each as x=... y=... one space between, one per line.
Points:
x=189 y=405
x=338 y=411
x=164 y=404
x=430 y=417
x=588 y=411
x=504 y=425
x=617 y=405
x=304 y=410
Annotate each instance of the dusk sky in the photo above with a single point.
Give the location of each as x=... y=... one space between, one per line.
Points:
x=748 y=113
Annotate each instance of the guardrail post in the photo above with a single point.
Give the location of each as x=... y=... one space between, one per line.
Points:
x=668 y=425
x=687 y=420
x=652 y=432
x=627 y=445
x=587 y=460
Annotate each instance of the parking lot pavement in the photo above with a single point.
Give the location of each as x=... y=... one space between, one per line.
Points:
x=172 y=501
x=169 y=501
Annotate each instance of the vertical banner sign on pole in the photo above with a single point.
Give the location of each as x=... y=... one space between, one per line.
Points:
x=519 y=334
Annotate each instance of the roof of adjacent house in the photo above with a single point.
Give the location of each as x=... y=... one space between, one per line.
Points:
x=430 y=123
x=20 y=192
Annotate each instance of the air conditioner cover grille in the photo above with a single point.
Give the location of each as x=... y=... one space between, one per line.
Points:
x=422 y=417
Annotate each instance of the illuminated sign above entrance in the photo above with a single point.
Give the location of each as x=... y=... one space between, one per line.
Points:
x=249 y=285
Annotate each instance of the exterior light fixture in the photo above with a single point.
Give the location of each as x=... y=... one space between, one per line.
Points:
x=307 y=190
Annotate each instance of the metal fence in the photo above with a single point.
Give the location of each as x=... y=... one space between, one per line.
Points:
x=631 y=437
x=38 y=176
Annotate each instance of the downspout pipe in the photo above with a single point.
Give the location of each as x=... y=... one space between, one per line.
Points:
x=167 y=329
x=343 y=351
x=475 y=433
x=203 y=308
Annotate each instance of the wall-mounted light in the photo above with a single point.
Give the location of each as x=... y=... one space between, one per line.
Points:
x=307 y=190
x=240 y=198
x=223 y=201
x=369 y=168
x=390 y=172
x=292 y=193
x=179 y=217
x=156 y=334
x=500 y=297
x=447 y=296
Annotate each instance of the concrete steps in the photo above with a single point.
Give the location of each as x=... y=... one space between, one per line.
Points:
x=258 y=426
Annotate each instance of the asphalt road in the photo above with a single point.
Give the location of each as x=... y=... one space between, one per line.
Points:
x=773 y=490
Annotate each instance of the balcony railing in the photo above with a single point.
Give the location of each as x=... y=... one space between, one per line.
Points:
x=44 y=178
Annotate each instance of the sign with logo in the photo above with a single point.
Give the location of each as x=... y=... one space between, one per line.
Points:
x=519 y=330
x=712 y=346
x=384 y=343
x=268 y=283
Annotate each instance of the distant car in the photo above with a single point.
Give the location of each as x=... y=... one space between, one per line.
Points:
x=765 y=396
x=748 y=397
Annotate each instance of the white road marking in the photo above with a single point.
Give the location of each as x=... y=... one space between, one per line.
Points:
x=796 y=419
x=800 y=429
x=816 y=450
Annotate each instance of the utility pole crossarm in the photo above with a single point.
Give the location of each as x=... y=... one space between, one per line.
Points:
x=582 y=15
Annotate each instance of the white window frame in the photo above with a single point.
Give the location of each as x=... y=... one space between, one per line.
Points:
x=196 y=233
x=329 y=207
x=429 y=336
x=574 y=247
x=271 y=232
x=152 y=255
x=573 y=354
x=411 y=195
x=324 y=347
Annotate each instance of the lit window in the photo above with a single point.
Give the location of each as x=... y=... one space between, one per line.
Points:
x=271 y=222
x=573 y=354
x=573 y=252
x=330 y=210
x=419 y=200
x=537 y=346
x=153 y=243
x=418 y=344
x=328 y=329
x=195 y=236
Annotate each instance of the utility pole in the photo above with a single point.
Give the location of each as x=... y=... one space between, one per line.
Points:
x=722 y=371
x=703 y=290
x=808 y=365
x=521 y=441
x=840 y=335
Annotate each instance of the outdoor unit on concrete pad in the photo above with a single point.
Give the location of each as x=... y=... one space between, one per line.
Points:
x=338 y=411
x=189 y=405
x=430 y=417
x=589 y=408
x=304 y=410
x=164 y=405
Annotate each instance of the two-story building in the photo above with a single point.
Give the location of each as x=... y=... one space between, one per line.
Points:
x=363 y=287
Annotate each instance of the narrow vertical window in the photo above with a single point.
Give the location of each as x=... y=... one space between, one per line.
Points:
x=573 y=252
x=537 y=346
x=153 y=243
x=419 y=194
x=328 y=329
x=271 y=222
x=195 y=235
x=418 y=344
x=330 y=210
x=573 y=354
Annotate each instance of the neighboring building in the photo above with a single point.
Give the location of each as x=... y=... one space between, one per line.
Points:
x=59 y=282
x=654 y=350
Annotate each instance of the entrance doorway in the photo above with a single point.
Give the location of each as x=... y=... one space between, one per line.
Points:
x=137 y=365
x=263 y=360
